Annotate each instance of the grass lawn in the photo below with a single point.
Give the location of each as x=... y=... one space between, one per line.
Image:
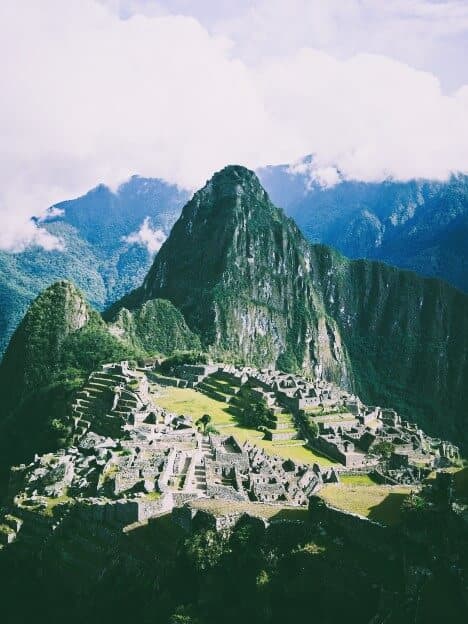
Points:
x=195 y=404
x=360 y=479
x=381 y=503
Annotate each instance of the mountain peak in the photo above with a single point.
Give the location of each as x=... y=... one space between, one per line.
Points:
x=57 y=312
x=239 y=271
x=231 y=182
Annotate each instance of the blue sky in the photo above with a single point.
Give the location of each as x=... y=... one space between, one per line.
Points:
x=97 y=90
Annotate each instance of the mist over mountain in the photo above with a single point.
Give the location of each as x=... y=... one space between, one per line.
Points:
x=420 y=225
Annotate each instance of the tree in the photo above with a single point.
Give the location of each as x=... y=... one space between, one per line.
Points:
x=384 y=449
x=312 y=428
x=204 y=421
x=205 y=549
x=256 y=414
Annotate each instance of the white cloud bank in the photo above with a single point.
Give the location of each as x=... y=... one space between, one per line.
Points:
x=88 y=97
x=150 y=238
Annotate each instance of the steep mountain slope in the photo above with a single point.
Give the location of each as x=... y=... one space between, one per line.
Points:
x=249 y=284
x=421 y=225
x=156 y=327
x=238 y=271
x=407 y=338
x=98 y=255
x=50 y=339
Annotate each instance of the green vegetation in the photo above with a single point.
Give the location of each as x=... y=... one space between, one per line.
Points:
x=156 y=327
x=60 y=336
x=95 y=255
x=283 y=572
x=52 y=503
x=311 y=427
x=203 y=421
x=43 y=415
x=58 y=343
x=252 y=411
x=384 y=449
x=153 y=496
x=357 y=479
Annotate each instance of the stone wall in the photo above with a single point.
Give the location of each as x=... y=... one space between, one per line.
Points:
x=150 y=508
x=355 y=528
x=224 y=492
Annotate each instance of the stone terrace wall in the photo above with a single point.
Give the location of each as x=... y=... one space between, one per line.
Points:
x=355 y=528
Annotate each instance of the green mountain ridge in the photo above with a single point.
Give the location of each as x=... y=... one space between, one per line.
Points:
x=156 y=327
x=55 y=347
x=420 y=224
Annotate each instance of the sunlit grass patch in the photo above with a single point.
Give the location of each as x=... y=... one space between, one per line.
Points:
x=382 y=503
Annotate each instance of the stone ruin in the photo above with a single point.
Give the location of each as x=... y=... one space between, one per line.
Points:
x=133 y=455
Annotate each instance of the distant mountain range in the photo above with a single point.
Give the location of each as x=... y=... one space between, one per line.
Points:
x=111 y=237
x=421 y=225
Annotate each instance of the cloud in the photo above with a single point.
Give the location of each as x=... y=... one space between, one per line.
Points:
x=427 y=34
x=324 y=177
x=89 y=97
x=146 y=236
x=52 y=213
x=17 y=236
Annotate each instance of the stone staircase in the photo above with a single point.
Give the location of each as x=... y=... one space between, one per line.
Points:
x=200 y=470
x=105 y=402
x=283 y=427
x=217 y=388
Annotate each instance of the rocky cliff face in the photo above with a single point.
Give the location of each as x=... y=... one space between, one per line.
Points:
x=239 y=271
x=407 y=338
x=251 y=286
